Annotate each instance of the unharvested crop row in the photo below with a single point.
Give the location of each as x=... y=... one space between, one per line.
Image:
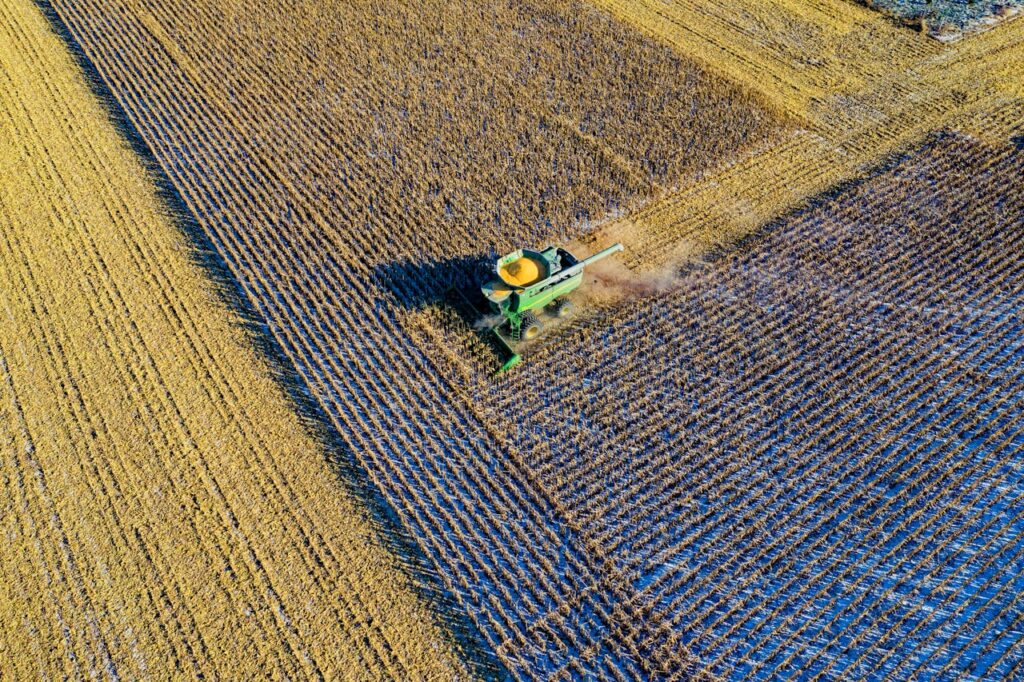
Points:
x=344 y=178
x=840 y=416
x=445 y=125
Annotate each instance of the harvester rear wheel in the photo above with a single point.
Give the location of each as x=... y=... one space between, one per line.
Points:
x=564 y=308
x=529 y=327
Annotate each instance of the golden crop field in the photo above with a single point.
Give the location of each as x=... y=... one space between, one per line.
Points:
x=163 y=511
x=782 y=438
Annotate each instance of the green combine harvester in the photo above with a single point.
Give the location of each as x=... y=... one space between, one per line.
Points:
x=530 y=286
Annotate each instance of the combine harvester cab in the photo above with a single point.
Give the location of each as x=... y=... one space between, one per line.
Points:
x=531 y=284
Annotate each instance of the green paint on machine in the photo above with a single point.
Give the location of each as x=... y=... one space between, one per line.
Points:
x=529 y=284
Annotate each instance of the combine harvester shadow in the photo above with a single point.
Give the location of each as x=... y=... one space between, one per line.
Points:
x=450 y=285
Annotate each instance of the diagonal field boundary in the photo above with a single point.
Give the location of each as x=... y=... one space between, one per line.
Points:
x=543 y=594
x=862 y=89
x=459 y=485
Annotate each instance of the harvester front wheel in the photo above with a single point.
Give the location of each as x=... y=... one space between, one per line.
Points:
x=530 y=327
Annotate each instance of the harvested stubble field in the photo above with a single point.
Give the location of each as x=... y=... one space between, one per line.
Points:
x=737 y=476
x=163 y=512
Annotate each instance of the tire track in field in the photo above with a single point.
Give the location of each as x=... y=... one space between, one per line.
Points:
x=53 y=613
x=109 y=342
x=63 y=560
x=142 y=360
x=213 y=149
